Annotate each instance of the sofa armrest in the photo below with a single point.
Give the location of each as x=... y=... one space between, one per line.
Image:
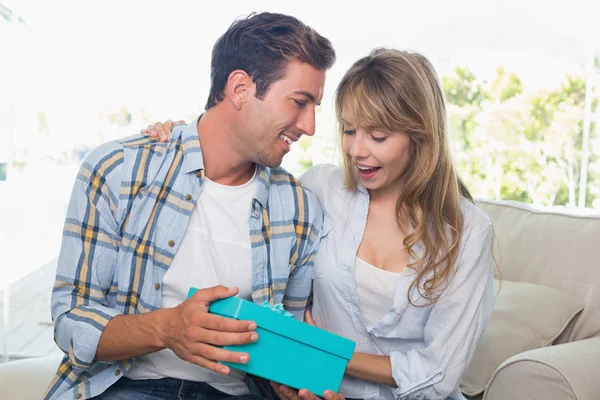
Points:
x=27 y=379
x=563 y=372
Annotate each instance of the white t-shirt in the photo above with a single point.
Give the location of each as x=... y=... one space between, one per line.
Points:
x=215 y=250
x=376 y=290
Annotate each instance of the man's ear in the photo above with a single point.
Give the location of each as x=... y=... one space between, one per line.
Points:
x=239 y=88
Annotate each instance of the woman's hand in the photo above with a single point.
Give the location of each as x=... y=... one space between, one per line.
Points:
x=161 y=130
x=308 y=318
x=287 y=393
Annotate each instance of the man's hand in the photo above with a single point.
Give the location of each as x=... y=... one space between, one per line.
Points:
x=286 y=393
x=193 y=334
x=161 y=130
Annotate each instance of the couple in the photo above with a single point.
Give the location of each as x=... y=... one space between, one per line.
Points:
x=397 y=255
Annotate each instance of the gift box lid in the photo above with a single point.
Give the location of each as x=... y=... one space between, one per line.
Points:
x=270 y=320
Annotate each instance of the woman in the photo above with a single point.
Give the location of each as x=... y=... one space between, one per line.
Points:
x=405 y=263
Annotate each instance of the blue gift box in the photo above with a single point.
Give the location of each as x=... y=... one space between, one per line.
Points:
x=287 y=351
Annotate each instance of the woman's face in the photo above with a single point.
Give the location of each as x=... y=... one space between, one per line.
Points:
x=381 y=157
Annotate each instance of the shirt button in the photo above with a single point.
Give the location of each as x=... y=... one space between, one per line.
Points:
x=117 y=372
x=78 y=395
x=188 y=197
x=157 y=286
x=199 y=173
x=171 y=243
x=398 y=311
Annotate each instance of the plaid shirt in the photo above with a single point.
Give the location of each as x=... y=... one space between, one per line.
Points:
x=129 y=210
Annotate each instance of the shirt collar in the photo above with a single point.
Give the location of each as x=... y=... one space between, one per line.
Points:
x=264 y=183
x=192 y=153
x=194 y=162
x=361 y=188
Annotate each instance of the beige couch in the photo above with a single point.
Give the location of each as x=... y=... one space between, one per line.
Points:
x=545 y=252
x=540 y=252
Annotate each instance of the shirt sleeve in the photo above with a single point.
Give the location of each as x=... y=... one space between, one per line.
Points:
x=308 y=233
x=455 y=326
x=88 y=257
x=317 y=179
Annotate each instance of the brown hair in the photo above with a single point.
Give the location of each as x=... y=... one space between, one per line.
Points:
x=399 y=91
x=262 y=44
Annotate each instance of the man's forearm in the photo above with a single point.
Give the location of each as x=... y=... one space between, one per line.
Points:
x=128 y=336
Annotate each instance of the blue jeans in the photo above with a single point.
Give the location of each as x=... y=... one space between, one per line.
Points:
x=167 y=389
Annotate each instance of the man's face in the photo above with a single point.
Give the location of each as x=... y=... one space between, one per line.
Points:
x=286 y=112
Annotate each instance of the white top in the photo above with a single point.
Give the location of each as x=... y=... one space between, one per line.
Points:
x=429 y=347
x=215 y=250
x=376 y=289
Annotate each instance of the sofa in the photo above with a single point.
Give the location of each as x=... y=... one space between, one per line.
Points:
x=543 y=342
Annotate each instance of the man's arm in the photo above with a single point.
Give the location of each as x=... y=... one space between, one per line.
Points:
x=86 y=327
x=188 y=329
x=299 y=284
x=88 y=256
x=128 y=336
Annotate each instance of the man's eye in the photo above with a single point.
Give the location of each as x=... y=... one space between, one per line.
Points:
x=299 y=103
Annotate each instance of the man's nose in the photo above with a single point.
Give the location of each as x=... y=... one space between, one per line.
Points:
x=306 y=122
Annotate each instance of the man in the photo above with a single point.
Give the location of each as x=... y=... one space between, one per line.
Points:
x=208 y=209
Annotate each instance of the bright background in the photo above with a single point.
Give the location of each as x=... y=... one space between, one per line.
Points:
x=521 y=78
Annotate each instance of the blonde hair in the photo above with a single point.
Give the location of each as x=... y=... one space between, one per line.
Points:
x=399 y=91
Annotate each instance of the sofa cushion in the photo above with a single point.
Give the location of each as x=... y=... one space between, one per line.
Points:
x=558 y=249
x=525 y=317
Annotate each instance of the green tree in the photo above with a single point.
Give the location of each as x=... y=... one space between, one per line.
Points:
x=504 y=86
x=514 y=145
x=465 y=97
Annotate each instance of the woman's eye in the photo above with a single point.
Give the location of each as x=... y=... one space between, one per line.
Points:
x=378 y=139
x=349 y=131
